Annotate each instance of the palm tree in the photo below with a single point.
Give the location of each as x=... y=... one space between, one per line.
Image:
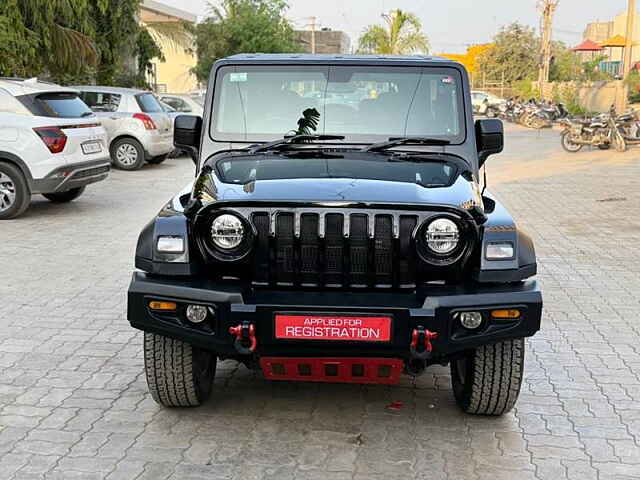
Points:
x=403 y=35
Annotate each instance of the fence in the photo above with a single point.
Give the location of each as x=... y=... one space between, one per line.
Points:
x=593 y=96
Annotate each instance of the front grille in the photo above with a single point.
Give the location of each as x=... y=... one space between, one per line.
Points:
x=327 y=249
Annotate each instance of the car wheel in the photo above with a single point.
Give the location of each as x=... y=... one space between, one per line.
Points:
x=157 y=160
x=14 y=192
x=64 y=197
x=487 y=380
x=178 y=374
x=568 y=144
x=127 y=154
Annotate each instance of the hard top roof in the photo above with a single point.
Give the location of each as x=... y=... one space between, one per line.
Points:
x=328 y=59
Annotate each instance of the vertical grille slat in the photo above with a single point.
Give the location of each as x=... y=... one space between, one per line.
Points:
x=383 y=253
x=333 y=249
x=406 y=268
x=325 y=249
x=358 y=240
x=309 y=250
x=261 y=262
x=285 y=254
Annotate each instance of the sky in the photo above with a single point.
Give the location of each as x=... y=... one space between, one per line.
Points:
x=451 y=25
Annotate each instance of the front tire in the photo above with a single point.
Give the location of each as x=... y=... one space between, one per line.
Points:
x=567 y=144
x=127 y=154
x=15 y=196
x=64 y=197
x=178 y=374
x=487 y=380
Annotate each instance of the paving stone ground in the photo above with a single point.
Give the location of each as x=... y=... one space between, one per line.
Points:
x=74 y=402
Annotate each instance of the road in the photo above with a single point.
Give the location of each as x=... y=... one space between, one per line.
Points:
x=74 y=402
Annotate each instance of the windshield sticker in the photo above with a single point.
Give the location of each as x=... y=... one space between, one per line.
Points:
x=238 y=77
x=447 y=80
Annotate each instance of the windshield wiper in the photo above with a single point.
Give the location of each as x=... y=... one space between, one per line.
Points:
x=294 y=139
x=86 y=114
x=394 y=142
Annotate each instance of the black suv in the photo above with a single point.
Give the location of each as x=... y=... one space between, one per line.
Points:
x=336 y=232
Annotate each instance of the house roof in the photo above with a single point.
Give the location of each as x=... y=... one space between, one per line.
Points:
x=588 y=46
x=164 y=9
x=615 y=41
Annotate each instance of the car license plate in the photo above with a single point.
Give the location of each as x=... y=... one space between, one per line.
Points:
x=353 y=328
x=91 y=147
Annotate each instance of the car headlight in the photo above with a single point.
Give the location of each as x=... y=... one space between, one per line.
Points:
x=442 y=236
x=227 y=231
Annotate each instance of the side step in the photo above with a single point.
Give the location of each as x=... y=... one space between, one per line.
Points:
x=333 y=369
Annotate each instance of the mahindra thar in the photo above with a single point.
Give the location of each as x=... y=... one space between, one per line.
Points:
x=336 y=232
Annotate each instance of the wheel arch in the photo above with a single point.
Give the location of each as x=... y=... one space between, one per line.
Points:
x=20 y=164
x=122 y=136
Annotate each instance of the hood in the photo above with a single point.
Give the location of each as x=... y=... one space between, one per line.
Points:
x=462 y=193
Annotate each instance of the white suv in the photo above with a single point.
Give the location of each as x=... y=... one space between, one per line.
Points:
x=50 y=143
x=138 y=127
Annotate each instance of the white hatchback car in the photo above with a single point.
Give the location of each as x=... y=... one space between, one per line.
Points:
x=182 y=103
x=138 y=127
x=50 y=143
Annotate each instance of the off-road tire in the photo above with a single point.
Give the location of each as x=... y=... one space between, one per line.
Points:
x=22 y=193
x=64 y=197
x=158 y=160
x=178 y=374
x=487 y=381
x=139 y=159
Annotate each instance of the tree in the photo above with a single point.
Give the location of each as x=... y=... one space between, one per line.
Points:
x=402 y=36
x=470 y=58
x=514 y=53
x=565 y=64
x=243 y=26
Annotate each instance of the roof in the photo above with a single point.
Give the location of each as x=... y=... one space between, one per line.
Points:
x=615 y=41
x=28 y=86
x=334 y=58
x=588 y=46
x=99 y=88
x=164 y=9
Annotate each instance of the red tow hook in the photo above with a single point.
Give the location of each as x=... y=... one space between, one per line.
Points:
x=246 y=341
x=421 y=346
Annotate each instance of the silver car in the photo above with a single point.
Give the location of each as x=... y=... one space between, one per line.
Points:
x=138 y=127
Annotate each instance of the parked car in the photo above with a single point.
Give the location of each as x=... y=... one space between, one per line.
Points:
x=138 y=127
x=51 y=143
x=173 y=114
x=183 y=103
x=485 y=103
x=356 y=249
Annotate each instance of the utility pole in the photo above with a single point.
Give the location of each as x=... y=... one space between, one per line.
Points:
x=548 y=8
x=313 y=34
x=621 y=101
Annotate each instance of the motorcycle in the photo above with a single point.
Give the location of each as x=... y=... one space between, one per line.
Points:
x=602 y=132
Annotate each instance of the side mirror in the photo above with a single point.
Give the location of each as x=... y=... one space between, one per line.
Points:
x=187 y=130
x=489 y=138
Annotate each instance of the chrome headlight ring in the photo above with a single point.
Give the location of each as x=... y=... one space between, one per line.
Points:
x=226 y=236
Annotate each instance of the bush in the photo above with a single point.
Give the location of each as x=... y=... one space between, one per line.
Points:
x=568 y=95
x=525 y=90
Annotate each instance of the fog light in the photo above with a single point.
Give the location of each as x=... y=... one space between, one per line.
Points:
x=196 y=313
x=471 y=320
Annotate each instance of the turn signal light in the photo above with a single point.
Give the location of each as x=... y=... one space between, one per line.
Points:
x=167 y=306
x=508 y=314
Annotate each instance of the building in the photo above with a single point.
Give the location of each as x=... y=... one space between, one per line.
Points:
x=326 y=41
x=600 y=32
x=174 y=74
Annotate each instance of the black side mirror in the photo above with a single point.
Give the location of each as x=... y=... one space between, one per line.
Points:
x=489 y=138
x=187 y=130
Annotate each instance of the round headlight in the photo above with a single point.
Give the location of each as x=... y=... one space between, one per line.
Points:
x=227 y=231
x=442 y=236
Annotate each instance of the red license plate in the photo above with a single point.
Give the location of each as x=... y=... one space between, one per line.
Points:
x=333 y=327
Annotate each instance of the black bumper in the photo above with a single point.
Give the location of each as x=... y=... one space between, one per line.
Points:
x=433 y=309
x=72 y=176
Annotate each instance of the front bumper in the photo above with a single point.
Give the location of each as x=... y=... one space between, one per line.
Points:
x=72 y=176
x=231 y=305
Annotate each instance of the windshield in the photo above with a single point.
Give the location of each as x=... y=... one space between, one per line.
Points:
x=364 y=103
x=244 y=169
